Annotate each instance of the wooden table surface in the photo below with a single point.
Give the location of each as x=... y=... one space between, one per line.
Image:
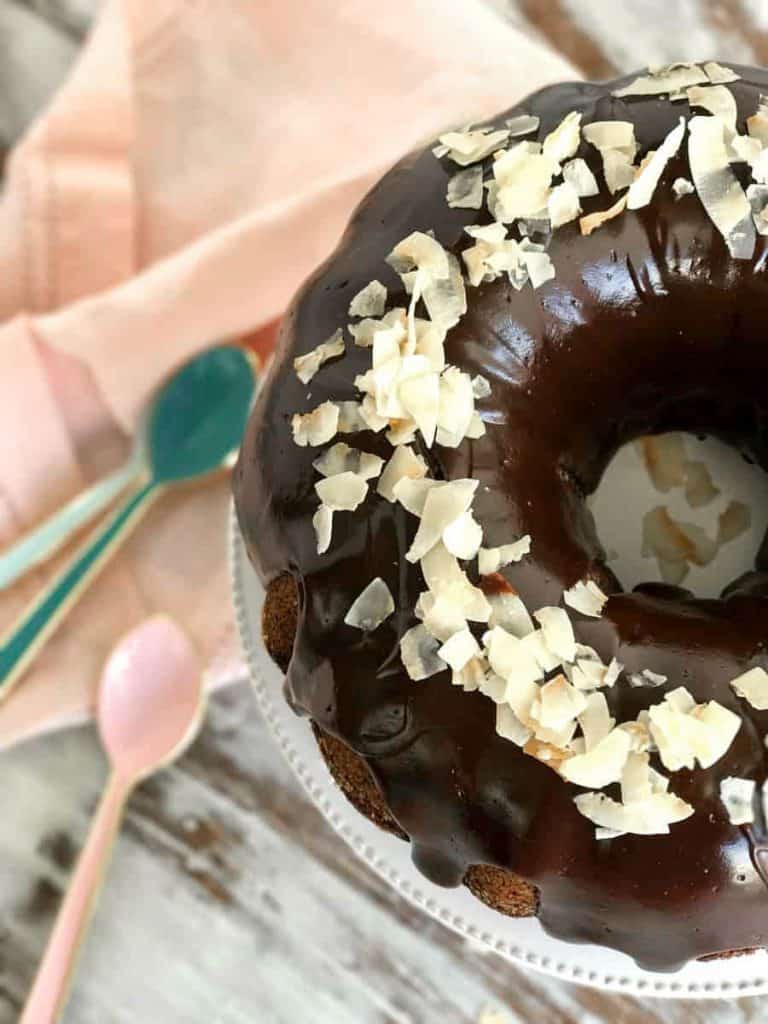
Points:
x=229 y=899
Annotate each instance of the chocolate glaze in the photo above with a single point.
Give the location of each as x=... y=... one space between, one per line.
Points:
x=648 y=326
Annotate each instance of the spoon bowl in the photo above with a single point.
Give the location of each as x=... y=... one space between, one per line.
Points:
x=198 y=418
x=150 y=700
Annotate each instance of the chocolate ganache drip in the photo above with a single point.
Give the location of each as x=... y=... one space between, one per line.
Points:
x=649 y=325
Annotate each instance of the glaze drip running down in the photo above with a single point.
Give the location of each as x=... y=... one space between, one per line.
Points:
x=648 y=326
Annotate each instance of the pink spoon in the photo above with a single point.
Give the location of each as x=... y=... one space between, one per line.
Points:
x=149 y=709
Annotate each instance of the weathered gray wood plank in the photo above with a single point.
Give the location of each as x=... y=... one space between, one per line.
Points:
x=229 y=900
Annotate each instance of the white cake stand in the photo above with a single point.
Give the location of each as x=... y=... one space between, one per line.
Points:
x=522 y=941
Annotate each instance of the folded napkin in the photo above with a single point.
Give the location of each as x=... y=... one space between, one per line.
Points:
x=199 y=162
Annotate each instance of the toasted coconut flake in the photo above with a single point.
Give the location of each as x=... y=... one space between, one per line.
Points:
x=539 y=266
x=418 y=652
x=563 y=205
x=733 y=522
x=445 y=577
x=495 y=687
x=593 y=221
x=753 y=687
x=412 y=493
x=673 y=541
x=307 y=366
x=757 y=125
x=322 y=521
x=551 y=754
x=558 y=632
x=747 y=150
x=481 y=388
x=470 y=676
x=372 y=607
x=442 y=617
x=509 y=726
x=577 y=174
x=340 y=458
x=646 y=678
x=369 y=301
x=419 y=251
x=349 y=418
x=682 y=187
x=719 y=101
x=490 y=560
x=558 y=704
x=463 y=536
x=636 y=779
x=470 y=147
x=604 y=135
x=738 y=796
x=511 y=659
x=642 y=188
x=586 y=597
x=639 y=736
x=601 y=765
x=665 y=460
x=595 y=720
x=699 y=488
x=343 y=492
x=671 y=79
x=430 y=343
x=456 y=407
x=443 y=505
x=366 y=330
x=476 y=427
x=404 y=464
x=718 y=74
x=371 y=417
x=615 y=668
x=758 y=202
x=523 y=124
x=545 y=658
x=446 y=298
x=521 y=694
x=719 y=729
x=618 y=170
x=465 y=189
x=509 y=612
x=459 y=649
x=562 y=143
x=680 y=699
x=685 y=732
x=651 y=816
x=719 y=190
x=523 y=176
x=588 y=673
x=420 y=397
x=315 y=427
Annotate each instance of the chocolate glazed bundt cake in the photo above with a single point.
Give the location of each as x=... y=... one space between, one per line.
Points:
x=508 y=307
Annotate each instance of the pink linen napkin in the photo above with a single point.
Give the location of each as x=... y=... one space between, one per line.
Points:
x=201 y=159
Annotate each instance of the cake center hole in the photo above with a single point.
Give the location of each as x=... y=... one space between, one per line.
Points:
x=681 y=509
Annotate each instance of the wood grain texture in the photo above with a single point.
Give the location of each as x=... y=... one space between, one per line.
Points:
x=230 y=901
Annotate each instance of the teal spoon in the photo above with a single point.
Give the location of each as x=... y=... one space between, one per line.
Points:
x=195 y=427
